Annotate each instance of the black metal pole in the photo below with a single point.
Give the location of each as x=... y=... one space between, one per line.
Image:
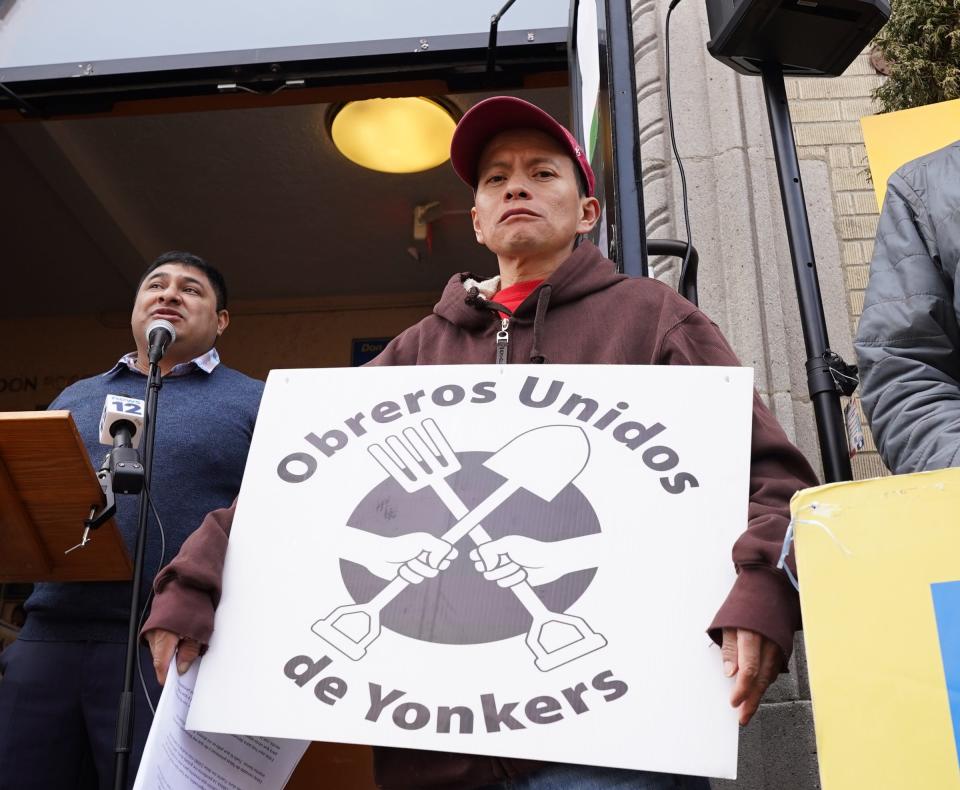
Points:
x=831 y=429
x=125 y=712
x=492 y=41
x=631 y=248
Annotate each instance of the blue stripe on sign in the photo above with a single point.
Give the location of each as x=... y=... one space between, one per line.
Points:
x=946 y=606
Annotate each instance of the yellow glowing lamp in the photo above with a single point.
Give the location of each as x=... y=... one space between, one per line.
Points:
x=403 y=135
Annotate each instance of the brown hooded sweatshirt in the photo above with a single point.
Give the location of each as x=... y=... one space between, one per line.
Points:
x=585 y=312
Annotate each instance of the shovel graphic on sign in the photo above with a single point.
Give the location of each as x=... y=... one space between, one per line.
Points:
x=416 y=463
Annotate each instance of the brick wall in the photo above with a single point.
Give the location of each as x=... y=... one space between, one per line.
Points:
x=826 y=119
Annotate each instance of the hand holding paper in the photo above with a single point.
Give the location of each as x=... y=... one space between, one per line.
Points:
x=177 y=757
x=164 y=645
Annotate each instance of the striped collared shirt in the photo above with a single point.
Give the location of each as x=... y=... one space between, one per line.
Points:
x=205 y=362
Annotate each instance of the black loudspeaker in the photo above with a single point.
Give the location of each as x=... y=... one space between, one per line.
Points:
x=805 y=37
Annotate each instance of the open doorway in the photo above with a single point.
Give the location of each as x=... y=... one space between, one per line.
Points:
x=320 y=254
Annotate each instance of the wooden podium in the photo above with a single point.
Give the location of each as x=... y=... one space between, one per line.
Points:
x=47 y=489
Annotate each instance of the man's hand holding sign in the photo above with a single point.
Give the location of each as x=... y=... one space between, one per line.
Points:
x=755 y=662
x=631 y=541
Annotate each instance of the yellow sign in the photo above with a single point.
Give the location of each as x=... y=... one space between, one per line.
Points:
x=879 y=567
x=895 y=138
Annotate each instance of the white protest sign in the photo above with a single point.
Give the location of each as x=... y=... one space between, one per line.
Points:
x=606 y=500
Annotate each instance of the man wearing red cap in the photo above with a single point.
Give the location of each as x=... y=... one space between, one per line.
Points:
x=558 y=300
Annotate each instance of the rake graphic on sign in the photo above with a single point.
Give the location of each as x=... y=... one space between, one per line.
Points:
x=423 y=459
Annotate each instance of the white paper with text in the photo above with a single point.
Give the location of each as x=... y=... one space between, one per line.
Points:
x=175 y=758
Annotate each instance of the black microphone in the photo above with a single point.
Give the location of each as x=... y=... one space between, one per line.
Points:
x=123 y=432
x=160 y=335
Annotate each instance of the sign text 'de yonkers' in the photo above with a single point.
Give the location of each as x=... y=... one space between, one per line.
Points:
x=517 y=561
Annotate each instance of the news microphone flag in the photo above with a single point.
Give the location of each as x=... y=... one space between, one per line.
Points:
x=879 y=571
x=117 y=408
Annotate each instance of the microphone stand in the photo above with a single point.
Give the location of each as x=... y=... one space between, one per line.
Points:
x=126 y=709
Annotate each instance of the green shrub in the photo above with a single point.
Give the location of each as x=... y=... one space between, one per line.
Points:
x=921 y=46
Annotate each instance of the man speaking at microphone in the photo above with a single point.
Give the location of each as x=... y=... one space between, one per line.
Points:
x=62 y=678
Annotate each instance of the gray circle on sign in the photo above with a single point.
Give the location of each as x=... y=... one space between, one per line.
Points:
x=459 y=606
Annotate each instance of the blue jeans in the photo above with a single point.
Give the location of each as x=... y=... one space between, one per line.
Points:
x=561 y=776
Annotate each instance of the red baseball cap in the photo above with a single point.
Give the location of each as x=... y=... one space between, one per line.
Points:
x=488 y=118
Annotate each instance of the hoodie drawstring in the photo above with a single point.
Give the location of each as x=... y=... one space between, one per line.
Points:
x=476 y=299
x=543 y=302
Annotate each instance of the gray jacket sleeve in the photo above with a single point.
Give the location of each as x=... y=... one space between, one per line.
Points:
x=908 y=340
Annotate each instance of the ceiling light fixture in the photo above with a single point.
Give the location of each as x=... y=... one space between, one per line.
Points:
x=401 y=135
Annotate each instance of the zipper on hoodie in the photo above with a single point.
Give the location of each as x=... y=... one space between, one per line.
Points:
x=503 y=342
